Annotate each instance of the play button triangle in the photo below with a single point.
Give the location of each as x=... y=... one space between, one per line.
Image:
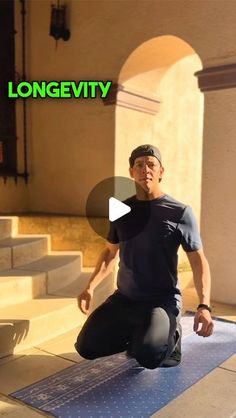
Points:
x=117 y=209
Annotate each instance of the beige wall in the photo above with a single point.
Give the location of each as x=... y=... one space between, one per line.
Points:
x=68 y=156
x=62 y=134
x=13 y=198
x=219 y=192
x=177 y=127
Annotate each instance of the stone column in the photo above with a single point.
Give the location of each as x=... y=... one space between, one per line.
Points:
x=218 y=211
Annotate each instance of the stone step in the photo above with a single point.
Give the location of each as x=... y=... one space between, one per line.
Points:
x=8 y=226
x=106 y=287
x=23 y=249
x=30 y=323
x=27 y=324
x=5 y=228
x=61 y=268
x=17 y=286
x=45 y=275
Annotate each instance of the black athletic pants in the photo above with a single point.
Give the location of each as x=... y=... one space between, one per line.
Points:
x=146 y=330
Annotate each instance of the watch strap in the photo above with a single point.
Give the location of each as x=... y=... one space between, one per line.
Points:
x=204 y=306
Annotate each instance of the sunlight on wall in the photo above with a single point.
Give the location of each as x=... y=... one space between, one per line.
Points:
x=163 y=68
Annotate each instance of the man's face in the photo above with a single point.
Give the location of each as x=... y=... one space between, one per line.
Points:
x=146 y=172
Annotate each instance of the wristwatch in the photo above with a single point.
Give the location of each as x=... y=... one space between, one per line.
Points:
x=204 y=306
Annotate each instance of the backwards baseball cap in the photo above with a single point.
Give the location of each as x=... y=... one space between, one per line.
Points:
x=144 y=150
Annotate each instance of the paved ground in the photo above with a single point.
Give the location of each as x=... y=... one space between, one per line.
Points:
x=213 y=396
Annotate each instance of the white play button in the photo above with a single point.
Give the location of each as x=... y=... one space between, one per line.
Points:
x=112 y=203
x=117 y=209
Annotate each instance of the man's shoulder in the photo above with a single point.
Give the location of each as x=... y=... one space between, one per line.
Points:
x=166 y=201
x=166 y=204
x=171 y=203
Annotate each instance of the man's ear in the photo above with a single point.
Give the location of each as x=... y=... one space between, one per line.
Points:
x=131 y=172
x=161 y=173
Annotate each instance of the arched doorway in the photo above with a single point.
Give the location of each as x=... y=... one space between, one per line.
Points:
x=168 y=113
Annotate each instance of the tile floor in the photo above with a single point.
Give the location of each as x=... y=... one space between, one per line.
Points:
x=214 y=396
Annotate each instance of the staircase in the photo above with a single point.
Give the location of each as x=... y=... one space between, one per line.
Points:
x=39 y=288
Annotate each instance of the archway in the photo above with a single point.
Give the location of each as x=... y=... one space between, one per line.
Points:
x=160 y=103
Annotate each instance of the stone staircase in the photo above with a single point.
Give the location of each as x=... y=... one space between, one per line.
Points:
x=38 y=289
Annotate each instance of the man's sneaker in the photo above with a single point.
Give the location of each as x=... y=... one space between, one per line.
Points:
x=175 y=357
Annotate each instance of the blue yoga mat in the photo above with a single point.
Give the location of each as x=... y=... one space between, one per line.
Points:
x=115 y=387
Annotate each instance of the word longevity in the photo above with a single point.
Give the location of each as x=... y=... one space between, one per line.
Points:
x=59 y=89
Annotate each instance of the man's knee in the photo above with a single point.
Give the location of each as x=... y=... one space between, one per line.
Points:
x=84 y=351
x=149 y=357
x=85 y=344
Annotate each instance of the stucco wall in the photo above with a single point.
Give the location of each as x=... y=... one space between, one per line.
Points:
x=66 y=138
x=13 y=198
x=219 y=192
x=177 y=127
x=62 y=132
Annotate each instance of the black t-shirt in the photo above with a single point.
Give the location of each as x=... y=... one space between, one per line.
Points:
x=149 y=238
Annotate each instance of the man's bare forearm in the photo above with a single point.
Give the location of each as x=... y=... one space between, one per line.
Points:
x=104 y=266
x=202 y=281
x=201 y=276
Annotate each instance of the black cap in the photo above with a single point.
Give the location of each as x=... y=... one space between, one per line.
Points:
x=144 y=150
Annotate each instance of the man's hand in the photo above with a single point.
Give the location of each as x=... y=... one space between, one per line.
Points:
x=84 y=300
x=203 y=317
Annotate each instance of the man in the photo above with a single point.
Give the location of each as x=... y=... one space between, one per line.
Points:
x=142 y=317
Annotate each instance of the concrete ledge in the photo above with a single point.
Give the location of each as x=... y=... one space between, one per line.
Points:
x=68 y=233
x=25 y=249
x=5 y=259
x=30 y=323
x=5 y=228
x=18 y=286
x=8 y=226
x=61 y=268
